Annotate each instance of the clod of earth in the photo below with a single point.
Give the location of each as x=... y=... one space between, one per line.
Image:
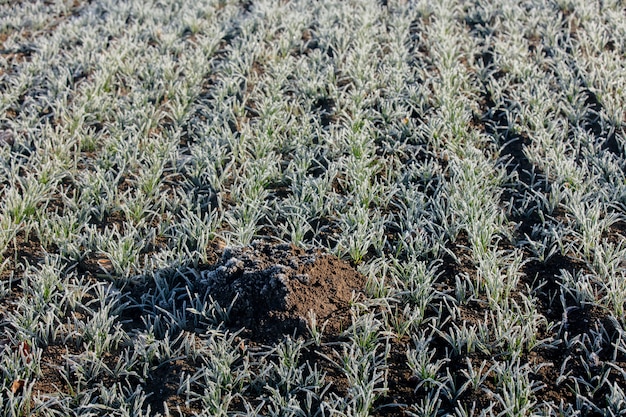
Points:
x=275 y=286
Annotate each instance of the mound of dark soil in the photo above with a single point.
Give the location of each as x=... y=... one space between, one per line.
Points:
x=275 y=286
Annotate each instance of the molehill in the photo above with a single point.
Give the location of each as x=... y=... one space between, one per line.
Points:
x=275 y=286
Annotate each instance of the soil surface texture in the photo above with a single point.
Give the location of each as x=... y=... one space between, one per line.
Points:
x=273 y=288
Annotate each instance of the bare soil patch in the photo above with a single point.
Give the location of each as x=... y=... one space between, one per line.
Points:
x=276 y=286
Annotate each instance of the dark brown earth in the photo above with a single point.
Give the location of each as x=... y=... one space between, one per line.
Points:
x=277 y=286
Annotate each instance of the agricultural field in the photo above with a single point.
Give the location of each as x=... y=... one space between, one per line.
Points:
x=312 y=208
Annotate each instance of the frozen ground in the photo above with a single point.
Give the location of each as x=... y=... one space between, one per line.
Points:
x=312 y=208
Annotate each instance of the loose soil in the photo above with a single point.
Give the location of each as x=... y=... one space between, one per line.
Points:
x=275 y=288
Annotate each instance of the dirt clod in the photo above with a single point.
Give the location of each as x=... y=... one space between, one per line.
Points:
x=275 y=286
